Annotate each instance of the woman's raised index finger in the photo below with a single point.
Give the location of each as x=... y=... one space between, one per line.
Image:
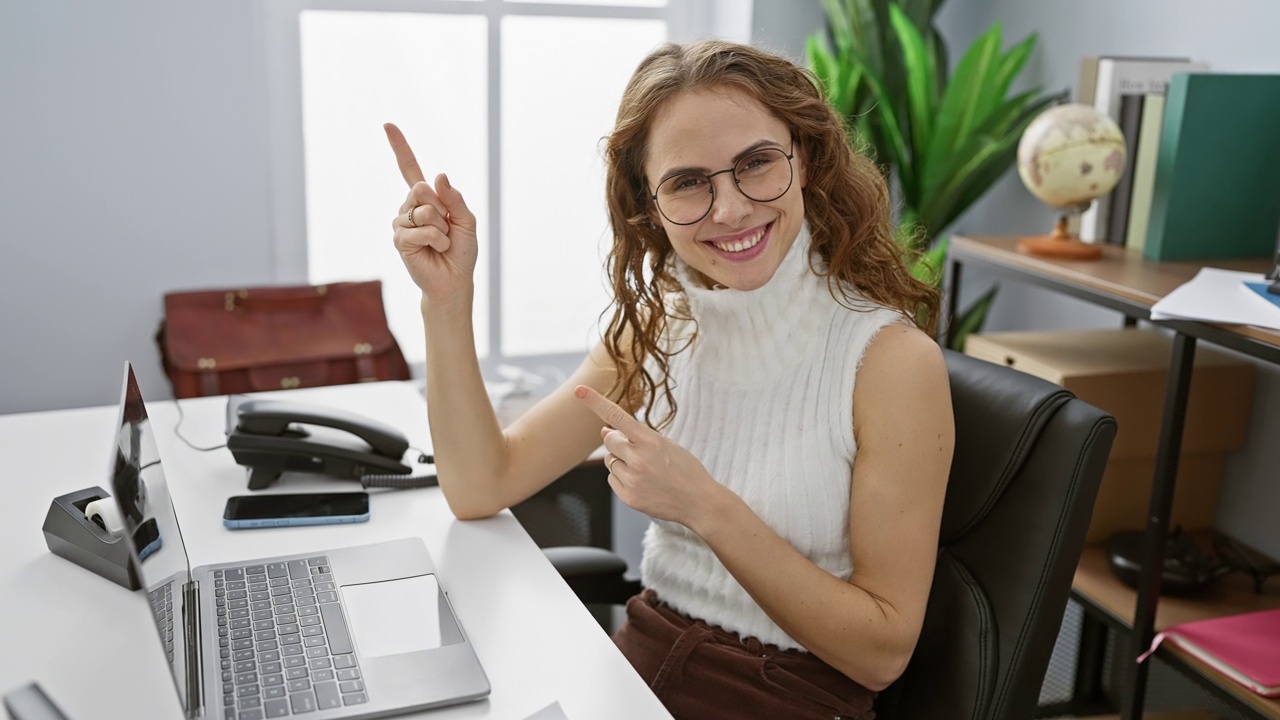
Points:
x=409 y=169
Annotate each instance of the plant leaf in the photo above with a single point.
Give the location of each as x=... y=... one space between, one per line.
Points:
x=938 y=56
x=1004 y=117
x=962 y=102
x=972 y=320
x=945 y=205
x=919 y=12
x=823 y=65
x=889 y=138
x=1011 y=63
x=920 y=84
x=1012 y=131
x=942 y=139
x=821 y=61
x=980 y=164
x=928 y=267
x=838 y=23
x=865 y=33
x=964 y=168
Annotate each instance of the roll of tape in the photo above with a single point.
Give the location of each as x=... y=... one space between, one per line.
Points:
x=105 y=513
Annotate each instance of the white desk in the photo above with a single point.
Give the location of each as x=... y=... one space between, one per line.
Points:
x=92 y=644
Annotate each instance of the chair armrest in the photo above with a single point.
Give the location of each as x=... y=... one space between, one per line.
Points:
x=595 y=575
x=581 y=560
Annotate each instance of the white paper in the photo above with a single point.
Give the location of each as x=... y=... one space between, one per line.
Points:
x=550 y=712
x=1218 y=296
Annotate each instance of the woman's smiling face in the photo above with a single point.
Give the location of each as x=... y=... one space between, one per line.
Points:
x=740 y=242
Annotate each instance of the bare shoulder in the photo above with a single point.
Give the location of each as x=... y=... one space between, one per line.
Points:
x=902 y=353
x=902 y=387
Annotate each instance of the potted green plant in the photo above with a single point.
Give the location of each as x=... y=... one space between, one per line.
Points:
x=942 y=137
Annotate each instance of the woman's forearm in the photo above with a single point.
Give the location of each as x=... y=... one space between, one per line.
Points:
x=468 y=441
x=853 y=630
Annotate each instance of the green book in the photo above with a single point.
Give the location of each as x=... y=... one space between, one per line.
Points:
x=1217 y=179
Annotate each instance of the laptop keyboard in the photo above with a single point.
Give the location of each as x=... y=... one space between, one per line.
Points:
x=162 y=608
x=283 y=643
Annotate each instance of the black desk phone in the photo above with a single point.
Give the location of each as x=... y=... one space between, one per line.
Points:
x=273 y=436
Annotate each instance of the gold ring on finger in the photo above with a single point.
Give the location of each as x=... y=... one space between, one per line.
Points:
x=609 y=464
x=410 y=213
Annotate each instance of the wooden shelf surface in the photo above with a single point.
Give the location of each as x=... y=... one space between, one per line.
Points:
x=1119 y=273
x=1232 y=594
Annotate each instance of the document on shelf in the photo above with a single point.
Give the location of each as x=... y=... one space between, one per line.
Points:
x=1218 y=296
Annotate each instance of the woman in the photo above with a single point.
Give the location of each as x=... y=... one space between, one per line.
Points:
x=766 y=333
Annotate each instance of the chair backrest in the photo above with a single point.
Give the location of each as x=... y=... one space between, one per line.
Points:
x=575 y=510
x=1028 y=460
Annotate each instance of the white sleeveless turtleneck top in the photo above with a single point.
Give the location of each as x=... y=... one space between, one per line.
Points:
x=764 y=399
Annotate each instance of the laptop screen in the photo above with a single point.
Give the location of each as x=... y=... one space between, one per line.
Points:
x=151 y=525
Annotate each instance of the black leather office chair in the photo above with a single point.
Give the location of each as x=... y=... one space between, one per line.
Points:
x=572 y=521
x=1028 y=460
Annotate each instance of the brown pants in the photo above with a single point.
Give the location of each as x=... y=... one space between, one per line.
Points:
x=701 y=672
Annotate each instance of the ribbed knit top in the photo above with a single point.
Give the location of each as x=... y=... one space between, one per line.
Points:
x=764 y=399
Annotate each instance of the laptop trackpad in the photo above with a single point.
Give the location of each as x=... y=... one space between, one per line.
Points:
x=395 y=616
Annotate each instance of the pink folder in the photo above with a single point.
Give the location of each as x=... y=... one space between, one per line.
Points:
x=1244 y=647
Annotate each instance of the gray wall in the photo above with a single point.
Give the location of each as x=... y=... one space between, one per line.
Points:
x=133 y=160
x=783 y=25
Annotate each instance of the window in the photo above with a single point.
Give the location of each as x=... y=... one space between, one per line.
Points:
x=510 y=97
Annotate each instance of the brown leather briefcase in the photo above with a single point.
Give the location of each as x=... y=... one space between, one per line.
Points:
x=218 y=342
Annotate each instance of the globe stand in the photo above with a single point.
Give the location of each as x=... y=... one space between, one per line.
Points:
x=1059 y=244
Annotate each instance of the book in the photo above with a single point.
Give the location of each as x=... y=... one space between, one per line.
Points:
x=1087 y=85
x=1217 y=180
x=1243 y=647
x=1144 y=171
x=1130 y=123
x=1117 y=76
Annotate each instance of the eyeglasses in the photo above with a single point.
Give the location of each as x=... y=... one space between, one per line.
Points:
x=763 y=176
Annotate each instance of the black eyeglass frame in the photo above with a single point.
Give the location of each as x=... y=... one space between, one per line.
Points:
x=711 y=186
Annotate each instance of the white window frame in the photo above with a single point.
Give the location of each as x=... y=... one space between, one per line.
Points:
x=685 y=20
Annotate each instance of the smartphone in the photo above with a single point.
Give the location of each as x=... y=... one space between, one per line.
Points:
x=282 y=509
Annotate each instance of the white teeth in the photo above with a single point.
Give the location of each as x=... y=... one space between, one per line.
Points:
x=741 y=245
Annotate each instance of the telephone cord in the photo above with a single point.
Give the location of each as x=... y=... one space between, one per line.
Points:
x=404 y=482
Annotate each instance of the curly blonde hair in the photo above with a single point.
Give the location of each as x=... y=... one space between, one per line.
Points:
x=846 y=205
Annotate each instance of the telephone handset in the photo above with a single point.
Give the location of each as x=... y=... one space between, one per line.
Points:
x=273 y=436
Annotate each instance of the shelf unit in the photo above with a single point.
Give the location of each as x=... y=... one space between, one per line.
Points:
x=1126 y=282
x=1098 y=590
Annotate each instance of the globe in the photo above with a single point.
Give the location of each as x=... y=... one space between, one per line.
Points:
x=1070 y=155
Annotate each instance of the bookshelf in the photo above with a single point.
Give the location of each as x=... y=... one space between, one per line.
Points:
x=1125 y=281
x=1098 y=589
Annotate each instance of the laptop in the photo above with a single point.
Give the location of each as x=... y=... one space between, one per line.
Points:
x=352 y=632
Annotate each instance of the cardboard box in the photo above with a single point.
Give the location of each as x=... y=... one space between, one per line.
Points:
x=1124 y=372
x=1124 y=497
